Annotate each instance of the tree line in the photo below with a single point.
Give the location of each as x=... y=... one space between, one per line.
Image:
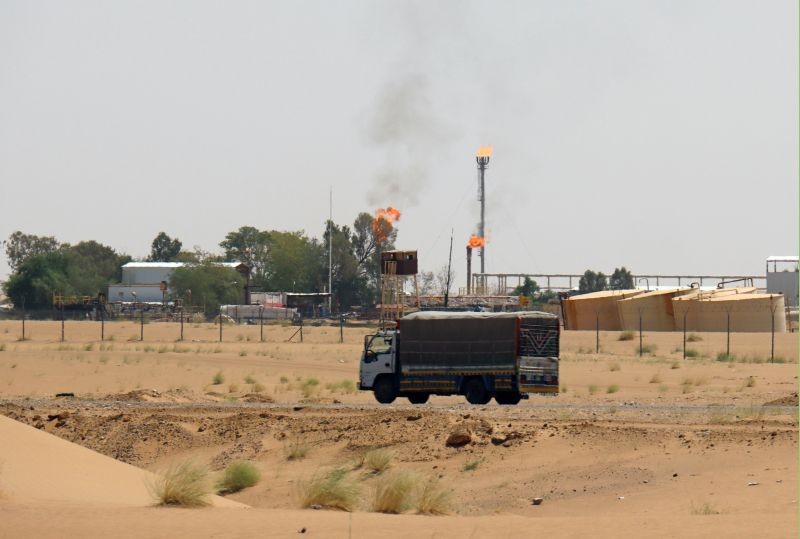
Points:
x=279 y=261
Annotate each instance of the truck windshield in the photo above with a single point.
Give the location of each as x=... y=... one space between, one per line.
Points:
x=380 y=344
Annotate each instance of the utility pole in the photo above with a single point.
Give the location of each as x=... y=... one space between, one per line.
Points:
x=330 y=252
x=449 y=265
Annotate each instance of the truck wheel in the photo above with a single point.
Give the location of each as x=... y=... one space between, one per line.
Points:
x=508 y=398
x=418 y=398
x=475 y=392
x=384 y=390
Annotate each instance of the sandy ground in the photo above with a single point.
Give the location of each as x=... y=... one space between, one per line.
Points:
x=653 y=445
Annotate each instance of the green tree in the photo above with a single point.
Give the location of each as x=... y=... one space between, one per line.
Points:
x=294 y=262
x=592 y=282
x=19 y=246
x=96 y=259
x=251 y=246
x=211 y=285
x=164 y=248
x=37 y=277
x=621 y=279
x=349 y=286
x=527 y=288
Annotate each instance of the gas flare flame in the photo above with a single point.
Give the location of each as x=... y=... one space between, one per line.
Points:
x=383 y=223
x=484 y=151
x=476 y=241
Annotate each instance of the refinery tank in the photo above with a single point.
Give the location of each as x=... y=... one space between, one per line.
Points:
x=655 y=308
x=587 y=311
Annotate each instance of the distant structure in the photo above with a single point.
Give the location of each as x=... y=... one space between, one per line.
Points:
x=148 y=282
x=782 y=278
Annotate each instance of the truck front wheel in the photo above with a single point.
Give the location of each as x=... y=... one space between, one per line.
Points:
x=418 y=398
x=384 y=390
x=475 y=392
x=508 y=398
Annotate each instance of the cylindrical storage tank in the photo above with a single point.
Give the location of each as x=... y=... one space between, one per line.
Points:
x=748 y=313
x=655 y=308
x=586 y=311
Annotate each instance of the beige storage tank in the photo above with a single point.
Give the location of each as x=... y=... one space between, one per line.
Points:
x=749 y=312
x=583 y=312
x=655 y=307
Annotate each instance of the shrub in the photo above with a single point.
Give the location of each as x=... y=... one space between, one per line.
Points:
x=343 y=386
x=3 y=347
x=626 y=336
x=242 y=353
x=88 y=347
x=724 y=356
x=238 y=475
x=675 y=365
x=472 y=465
x=284 y=380
x=592 y=389
x=233 y=388
x=394 y=492
x=693 y=337
x=334 y=490
x=258 y=388
x=613 y=388
x=433 y=499
x=296 y=448
x=219 y=378
x=378 y=460
x=655 y=379
x=614 y=367
x=647 y=349
x=249 y=379
x=691 y=352
x=750 y=381
x=184 y=484
x=163 y=349
x=704 y=508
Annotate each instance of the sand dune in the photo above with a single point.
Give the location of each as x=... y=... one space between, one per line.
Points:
x=39 y=467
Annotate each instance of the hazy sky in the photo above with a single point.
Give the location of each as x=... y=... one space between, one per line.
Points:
x=662 y=136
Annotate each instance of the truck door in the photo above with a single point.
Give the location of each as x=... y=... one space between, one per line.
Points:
x=378 y=358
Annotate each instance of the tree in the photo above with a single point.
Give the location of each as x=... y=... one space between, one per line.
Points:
x=592 y=282
x=527 y=288
x=426 y=282
x=445 y=281
x=211 y=285
x=294 y=262
x=37 y=277
x=20 y=246
x=164 y=248
x=84 y=269
x=621 y=279
x=349 y=285
x=251 y=246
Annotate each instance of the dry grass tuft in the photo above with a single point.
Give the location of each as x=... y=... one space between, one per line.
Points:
x=219 y=378
x=394 y=493
x=185 y=484
x=704 y=508
x=296 y=448
x=613 y=388
x=334 y=490
x=655 y=379
x=626 y=336
x=238 y=475
x=433 y=499
x=378 y=460
x=693 y=337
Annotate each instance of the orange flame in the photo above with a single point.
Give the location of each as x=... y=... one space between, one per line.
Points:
x=484 y=151
x=383 y=223
x=476 y=241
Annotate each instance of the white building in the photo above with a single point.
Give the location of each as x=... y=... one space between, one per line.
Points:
x=142 y=281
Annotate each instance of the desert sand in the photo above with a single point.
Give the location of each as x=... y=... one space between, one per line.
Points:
x=634 y=446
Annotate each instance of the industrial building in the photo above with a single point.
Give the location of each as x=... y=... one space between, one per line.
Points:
x=782 y=278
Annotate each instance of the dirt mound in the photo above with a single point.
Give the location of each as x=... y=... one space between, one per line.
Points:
x=151 y=395
x=788 y=400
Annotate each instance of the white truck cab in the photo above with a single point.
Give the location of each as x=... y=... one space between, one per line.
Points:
x=378 y=358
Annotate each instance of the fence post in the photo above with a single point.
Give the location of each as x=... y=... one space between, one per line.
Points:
x=102 y=326
x=301 y=330
x=641 y=351
x=141 y=324
x=341 y=328
x=684 y=333
x=597 y=332
x=261 y=321
x=62 y=321
x=23 y=321
x=772 y=347
x=181 y=325
x=220 y=323
x=728 y=351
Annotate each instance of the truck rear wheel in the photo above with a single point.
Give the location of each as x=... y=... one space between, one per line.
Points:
x=418 y=398
x=475 y=392
x=384 y=390
x=508 y=398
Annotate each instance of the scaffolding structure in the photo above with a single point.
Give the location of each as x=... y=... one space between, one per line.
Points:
x=397 y=269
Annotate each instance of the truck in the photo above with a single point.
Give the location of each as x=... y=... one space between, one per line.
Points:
x=505 y=356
